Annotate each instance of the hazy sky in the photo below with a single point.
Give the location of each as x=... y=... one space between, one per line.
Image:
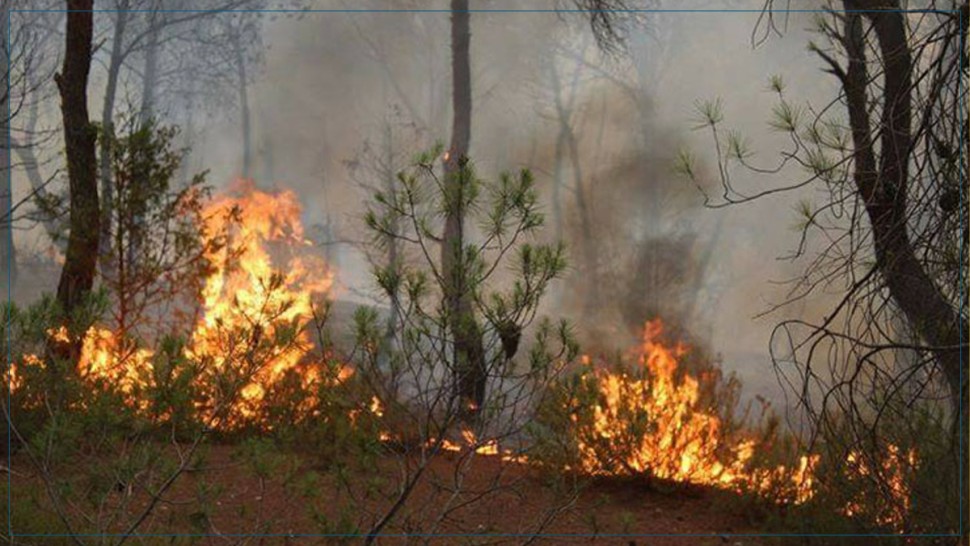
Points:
x=331 y=79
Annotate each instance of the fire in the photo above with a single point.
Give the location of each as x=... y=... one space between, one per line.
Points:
x=892 y=469
x=470 y=441
x=106 y=358
x=653 y=419
x=262 y=280
x=256 y=301
x=683 y=440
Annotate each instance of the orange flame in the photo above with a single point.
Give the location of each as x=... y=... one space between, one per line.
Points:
x=262 y=281
x=685 y=442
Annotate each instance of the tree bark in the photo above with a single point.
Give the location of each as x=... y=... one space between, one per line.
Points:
x=243 y=106
x=77 y=276
x=107 y=123
x=150 y=74
x=882 y=182
x=8 y=255
x=469 y=354
x=566 y=141
x=32 y=169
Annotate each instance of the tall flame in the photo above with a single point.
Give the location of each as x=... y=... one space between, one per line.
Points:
x=262 y=279
x=256 y=301
x=659 y=418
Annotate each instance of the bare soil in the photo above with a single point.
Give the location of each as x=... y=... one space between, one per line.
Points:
x=496 y=499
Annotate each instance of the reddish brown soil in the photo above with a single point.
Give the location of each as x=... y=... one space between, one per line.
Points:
x=502 y=498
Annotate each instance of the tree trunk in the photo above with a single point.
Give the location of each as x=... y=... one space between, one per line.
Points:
x=8 y=255
x=243 y=107
x=107 y=123
x=267 y=149
x=32 y=169
x=566 y=141
x=469 y=354
x=883 y=183
x=77 y=276
x=137 y=206
x=150 y=74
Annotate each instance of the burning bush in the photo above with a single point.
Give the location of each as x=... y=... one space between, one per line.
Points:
x=660 y=422
x=251 y=329
x=655 y=421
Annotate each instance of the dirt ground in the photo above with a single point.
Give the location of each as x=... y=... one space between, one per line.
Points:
x=498 y=502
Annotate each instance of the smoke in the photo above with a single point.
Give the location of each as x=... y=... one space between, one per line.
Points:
x=333 y=80
x=641 y=241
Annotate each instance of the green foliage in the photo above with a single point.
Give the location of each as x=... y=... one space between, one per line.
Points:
x=710 y=113
x=154 y=253
x=501 y=273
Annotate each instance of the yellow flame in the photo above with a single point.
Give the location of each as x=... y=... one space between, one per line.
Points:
x=684 y=442
x=261 y=279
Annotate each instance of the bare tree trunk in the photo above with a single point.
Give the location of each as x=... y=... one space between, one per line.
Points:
x=883 y=183
x=32 y=169
x=8 y=253
x=107 y=123
x=77 y=276
x=469 y=355
x=393 y=243
x=884 y=187
x=243 y=106
x=145 y=118
x=566 y=142
x=268 y=165
x=150 y=75
x=185 y=169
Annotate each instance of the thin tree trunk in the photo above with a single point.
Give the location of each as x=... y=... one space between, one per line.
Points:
x=107 y=123
x=243 y=106
x=567 y=139
x=136 y=205
x=150 y=74
x=185 y=169
x=469 y=354
x=32 y=169
x=268 y=164
x=77 y=276
x=8 y=253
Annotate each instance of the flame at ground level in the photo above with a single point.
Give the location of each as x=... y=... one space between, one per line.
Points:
x=256 y=301
x=652 y=421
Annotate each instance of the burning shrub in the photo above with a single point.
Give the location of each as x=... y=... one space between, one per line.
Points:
x=649 y=420
x=656 y=421
x=895 y=482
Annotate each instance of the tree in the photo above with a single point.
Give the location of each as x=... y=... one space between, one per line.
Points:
x=178 y=46
x=8 y=259
x=895 y=190
x=21 y=63
x=77 y=276
x=605 y=17
x=469 y=354
x=157 y=255
x=422 y=403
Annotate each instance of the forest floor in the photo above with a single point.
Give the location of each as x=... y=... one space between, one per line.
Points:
x=497 y=498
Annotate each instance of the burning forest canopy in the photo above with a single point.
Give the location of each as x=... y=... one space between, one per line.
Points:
x=553 y=296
